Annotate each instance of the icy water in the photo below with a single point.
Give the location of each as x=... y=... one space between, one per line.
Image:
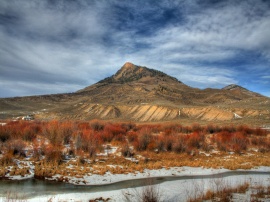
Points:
x=32 y=187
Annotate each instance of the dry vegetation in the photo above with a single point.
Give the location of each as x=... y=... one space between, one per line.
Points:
x=71 y=148
x=221 y=191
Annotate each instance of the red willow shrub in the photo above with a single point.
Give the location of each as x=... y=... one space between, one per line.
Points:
x=66 y=130
x=260 y=132
x=132 y=136
x=90 y=142
x=97 y=125
x=53 y=154
x=168 y=142
x=126 y=151
x=5 y=133
x=83 y=125
x=113 y=132
x=51 y=131
x=210 y=128
x=195 y=140
x=58 y=132
x=144 y=139
x=160 y=143
x=90 y=136
x=236 y=142
x=245 y=130
x=19 y=130
x=171 y=128
x=16 y=147
x=239 y=142
x=180 y=144
x=128 y=126
x=29 y=132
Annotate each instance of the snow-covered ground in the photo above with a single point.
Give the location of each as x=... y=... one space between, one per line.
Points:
x=175 y=190
x=109 y=178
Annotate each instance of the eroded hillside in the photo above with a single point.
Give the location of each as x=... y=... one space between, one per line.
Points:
x=137 y=93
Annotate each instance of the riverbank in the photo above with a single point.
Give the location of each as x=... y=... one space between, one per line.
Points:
x=109 y=178
x=174 y=184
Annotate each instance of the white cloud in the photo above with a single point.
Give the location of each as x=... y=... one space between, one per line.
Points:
x=266 y=77
x=68 y=48
x=217 y=33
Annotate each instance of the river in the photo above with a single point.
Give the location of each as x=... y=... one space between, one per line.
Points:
x=174 y=186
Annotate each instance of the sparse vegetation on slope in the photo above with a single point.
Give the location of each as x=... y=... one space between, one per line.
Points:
x=137 y=93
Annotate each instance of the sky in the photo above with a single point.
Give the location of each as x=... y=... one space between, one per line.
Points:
x=61 y=46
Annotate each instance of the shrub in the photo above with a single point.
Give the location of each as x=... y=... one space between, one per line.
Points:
x=16 y=147
x=244 y=129
x=128 y=126
x=4 y=133
x=52 y=132
x=148 y=193
x=97 y=125
x=195 y=140
x=168 y=142
x=236 y=142
x=144 y=138
x=115 y=129
x=180 y=144
x=260 y=132
x=239 y=142
x=212 y=129
x=119 y=137
x=65 y=131
x=7 y=159
x=113 y=132
x=132 y=136
x=196 y=127
x=229 y=129
x=160 y=145
x=89 y=142
x=29 y=133
x=126 y=151
x=54 y=155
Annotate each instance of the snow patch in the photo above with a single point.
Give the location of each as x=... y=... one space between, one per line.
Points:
x=236 y=116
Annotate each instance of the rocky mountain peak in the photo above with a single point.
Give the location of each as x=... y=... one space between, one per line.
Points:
x=130 y=72
x=127 y=70
x=128 y=65
x=239 y=89
x=234 y=87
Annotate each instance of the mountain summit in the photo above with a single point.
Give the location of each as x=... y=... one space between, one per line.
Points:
x=233 y=87
x=236 y=89
x=130 y=72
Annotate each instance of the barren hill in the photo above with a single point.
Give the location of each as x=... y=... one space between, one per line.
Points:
x=136 y=93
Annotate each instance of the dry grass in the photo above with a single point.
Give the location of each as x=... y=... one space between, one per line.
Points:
x=220 y=192
x=14 y=197
x=150 y=146
x=260 y=192
x=149 y=193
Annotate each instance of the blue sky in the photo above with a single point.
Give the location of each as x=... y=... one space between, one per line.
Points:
x=62 y=46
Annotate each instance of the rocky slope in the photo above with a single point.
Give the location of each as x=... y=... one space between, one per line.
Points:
x=136 y=93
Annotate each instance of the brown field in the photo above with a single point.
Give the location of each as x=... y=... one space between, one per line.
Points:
x=76 y=148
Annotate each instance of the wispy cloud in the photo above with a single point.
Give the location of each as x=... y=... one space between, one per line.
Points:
x=62 y=46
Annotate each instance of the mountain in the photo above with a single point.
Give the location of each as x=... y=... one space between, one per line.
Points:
x=130 y=72
x=137 y=93
x=236 y=89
